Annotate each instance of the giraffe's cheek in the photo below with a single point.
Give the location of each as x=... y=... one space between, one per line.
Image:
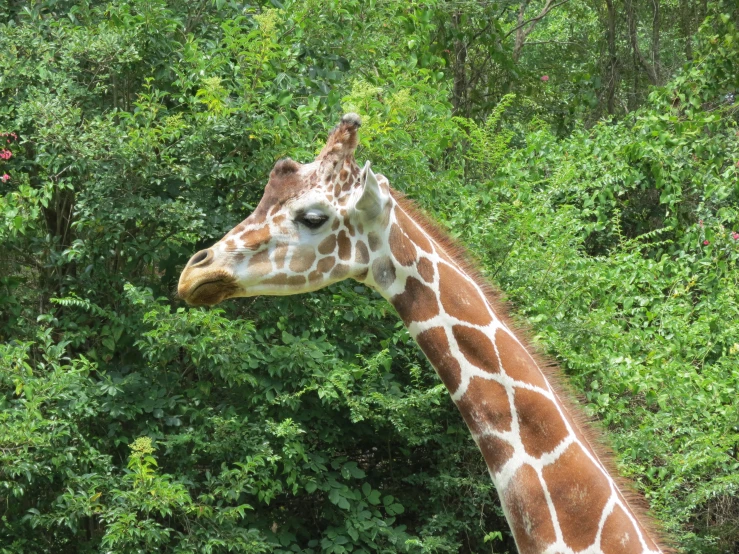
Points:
x=259 y=266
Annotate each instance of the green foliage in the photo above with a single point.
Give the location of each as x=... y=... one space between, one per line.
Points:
x=140 y=131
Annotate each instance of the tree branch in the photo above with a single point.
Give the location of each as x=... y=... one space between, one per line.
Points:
x=547 y=8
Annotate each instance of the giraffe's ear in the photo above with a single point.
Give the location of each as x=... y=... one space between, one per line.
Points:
x=373 y=200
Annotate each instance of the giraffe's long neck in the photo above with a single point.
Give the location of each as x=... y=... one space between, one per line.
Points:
x=556 y=494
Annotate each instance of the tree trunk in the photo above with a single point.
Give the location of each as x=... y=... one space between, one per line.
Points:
x=686 y=27
x=639 y=60
x=459 y=69
x=520 y=32
x=612 y=71
x=656 y=22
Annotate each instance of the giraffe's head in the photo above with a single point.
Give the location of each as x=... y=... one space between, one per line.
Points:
x=313 y=227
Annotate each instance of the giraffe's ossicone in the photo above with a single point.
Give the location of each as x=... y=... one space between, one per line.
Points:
x=325 y=221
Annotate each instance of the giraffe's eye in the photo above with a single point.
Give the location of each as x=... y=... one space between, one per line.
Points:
x=312 y=220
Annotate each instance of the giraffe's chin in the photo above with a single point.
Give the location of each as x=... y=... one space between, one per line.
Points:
x=209 y=293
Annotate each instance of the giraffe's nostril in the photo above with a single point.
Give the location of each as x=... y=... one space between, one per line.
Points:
x=201 y=258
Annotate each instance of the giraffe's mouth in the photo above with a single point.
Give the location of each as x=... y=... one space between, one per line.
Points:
x=209 y=291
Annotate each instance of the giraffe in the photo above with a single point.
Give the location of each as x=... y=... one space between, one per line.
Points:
x=328 y=220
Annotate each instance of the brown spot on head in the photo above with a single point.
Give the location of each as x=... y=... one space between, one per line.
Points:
x=348 y=225
x=327 y=245
x=345 y=245
x=425 y=269
x=325 y=264
x=302 y=259
x=337 y=190
x=516 y=362
x=314 y=276
x=230 y=245
x=461 y=299
x=361 y=254
x=579 y=490
x=236 y=230
x=527 y=510
x=335 y=224
x=343 y=175
x=412 y=230
x=435 y=345
x=280 y=254
x=279 y=279
x=402 y=248
x=362 y=275
x=284 y=280
x=416 y=303
x=239 y=257
x=496 y=451
x=283 y=168
x=476 y=347
x=339 y=271
x=256 y=237
x=542 y=427
x=383 y=272
x=485 y=406
x=259 y=264
x=374 y=241
x=619 y=535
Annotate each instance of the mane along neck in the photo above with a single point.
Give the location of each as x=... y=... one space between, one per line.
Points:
x=553 y=477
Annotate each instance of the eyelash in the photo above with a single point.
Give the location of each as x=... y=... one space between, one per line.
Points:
x=312 y=221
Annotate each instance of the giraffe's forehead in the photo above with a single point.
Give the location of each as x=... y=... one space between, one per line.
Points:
x=290 y=182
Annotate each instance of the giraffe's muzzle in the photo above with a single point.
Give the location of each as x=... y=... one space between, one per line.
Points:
x=202 y=284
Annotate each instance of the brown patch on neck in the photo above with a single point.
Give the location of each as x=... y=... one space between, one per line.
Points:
x=619 y=535
x=401 y=247
x=485 y=406
x=517 y=362
x=435 y=345
x=460 y=298
x=579 y=493
x=541 y=426
x=496 y=451
x=416 y=303
x=476 y=347
x=528 y=513
x=412 y=230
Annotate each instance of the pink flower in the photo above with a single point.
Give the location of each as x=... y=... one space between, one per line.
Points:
x=6 y=154
x=5 y=178
x=700 y=222
x=735 y=235
x=706 y=243
x=545 y=78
